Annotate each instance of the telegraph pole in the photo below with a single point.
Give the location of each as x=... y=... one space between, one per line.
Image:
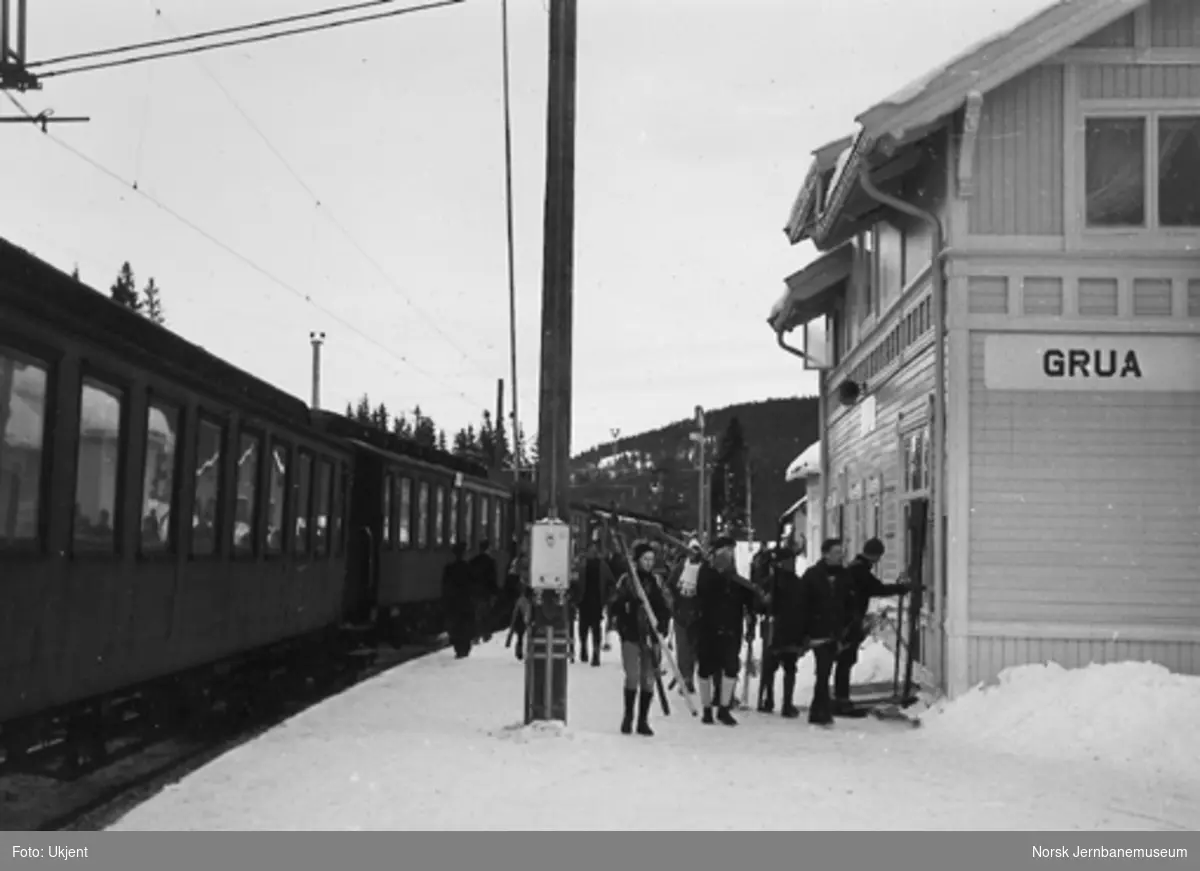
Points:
x=549 y=639
x=317 y=340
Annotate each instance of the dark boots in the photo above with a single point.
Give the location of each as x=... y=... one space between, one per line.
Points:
x=789 y=691
x=627 y=722
x=643 y=700
x=643 y=727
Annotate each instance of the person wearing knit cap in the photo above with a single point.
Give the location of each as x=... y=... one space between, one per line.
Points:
x=639 y=646
x=725 y=600
x=685 y=611
x=864 y=586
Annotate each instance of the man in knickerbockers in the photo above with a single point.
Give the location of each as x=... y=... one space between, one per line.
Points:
x=725 y=601
x=826 y=593
x=785 y=596
x=639 y=647
x=864 y=586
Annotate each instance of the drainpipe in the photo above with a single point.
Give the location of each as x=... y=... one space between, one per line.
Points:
x=822 y=424
x=938 y=425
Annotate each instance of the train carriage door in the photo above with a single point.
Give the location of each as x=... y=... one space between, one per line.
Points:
x=368 y=506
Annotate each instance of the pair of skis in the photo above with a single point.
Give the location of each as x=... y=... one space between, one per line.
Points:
x=659 y=641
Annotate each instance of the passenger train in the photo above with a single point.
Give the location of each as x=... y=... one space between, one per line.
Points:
x=163 y=513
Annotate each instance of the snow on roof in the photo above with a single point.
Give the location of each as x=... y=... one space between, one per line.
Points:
x=1125 y=714
x=806 y=465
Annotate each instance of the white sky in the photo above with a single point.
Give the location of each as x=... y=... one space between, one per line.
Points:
x=696 y=119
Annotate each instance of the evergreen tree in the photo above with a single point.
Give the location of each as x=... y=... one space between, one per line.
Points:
x=730 y=478
x=380 y=417
x=362 y=412
x=124 y=289
x=152 y=305
x=424 y=431
x=401 y=426
x=487 y=439
x=349 y=411
x=441 y=440
x=503 y=448
x=75 y=273
x=461 y=443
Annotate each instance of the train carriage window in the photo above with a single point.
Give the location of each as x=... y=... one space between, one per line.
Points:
x=423 y=515
x=321 y=509
x=405 y=535
x=302 y=523
x=246 y=510
x=501 y=541
x=97 y=472
x=484 y=519
x=455 y=531
x=388 y=519
x=23 y=389
x=160 y=478
x=339 y=507
x=469 y=519
x=439 y=517
x=277 y=479
x=206 y=514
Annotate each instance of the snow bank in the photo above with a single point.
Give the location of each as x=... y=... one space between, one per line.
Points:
x=1133 y=715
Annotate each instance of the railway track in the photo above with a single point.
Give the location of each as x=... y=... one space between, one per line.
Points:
x=39 y=801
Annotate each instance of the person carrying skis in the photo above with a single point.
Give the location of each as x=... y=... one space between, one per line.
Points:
x=864 y=586
x=725 y=598
x=596 y=585
x=458 y=594
x=639 y=647
x=825 y=594
x=785 y=596
x=686 y=613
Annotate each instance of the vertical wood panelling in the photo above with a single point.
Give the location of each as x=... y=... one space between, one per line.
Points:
x=1042 y=296
x=1098 y=297
x=1152 y=297
x=1174 y=24
x=1019 y=162
x=1085 y=507
x=1128 y=81
x=990 y=655
x=987 y=295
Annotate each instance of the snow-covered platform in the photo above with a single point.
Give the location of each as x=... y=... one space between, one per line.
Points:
x=438 y=744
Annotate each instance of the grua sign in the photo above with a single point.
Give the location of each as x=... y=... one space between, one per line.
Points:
x=1091 y=363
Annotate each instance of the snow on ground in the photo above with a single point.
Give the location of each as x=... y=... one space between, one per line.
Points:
x=1129 y=715
x=438 y=744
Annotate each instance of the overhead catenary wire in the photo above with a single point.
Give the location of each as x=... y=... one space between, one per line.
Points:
x=205 y=34
x=320 y=205
x=274 y=279
x=328 y=25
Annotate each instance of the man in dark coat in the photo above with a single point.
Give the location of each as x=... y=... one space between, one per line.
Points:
x=826 y=592
x=483 y=570
x=458 y=594
x=787 y=641
x=639 y=646
x=725 y=601
x=596 y=589
x=864 y=586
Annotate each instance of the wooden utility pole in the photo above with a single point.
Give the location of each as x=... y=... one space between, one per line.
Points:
x=550 y=635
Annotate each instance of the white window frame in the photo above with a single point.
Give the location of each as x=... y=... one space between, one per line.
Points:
x=1150 y=233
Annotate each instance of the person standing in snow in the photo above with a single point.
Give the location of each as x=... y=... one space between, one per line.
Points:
x=483 y=570
x=725 y=600
x=825 y=593
x=458 y=594
x=686 y=613
x=639 y=647
x=864 y=586
x=785 y=596
x=596 y=587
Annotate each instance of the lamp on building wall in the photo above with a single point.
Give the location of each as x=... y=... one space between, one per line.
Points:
x=849 y=392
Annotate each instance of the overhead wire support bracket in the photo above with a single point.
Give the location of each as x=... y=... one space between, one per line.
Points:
x=43 y=119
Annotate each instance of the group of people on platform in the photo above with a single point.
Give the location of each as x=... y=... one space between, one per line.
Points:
x=699 y=601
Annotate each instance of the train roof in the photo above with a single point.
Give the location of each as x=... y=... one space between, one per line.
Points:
x=379 y=440
x=42 y=290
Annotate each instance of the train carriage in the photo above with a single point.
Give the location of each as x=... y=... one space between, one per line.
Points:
x=159 y=508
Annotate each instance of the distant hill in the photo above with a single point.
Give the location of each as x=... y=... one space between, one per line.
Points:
x=655 y=471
